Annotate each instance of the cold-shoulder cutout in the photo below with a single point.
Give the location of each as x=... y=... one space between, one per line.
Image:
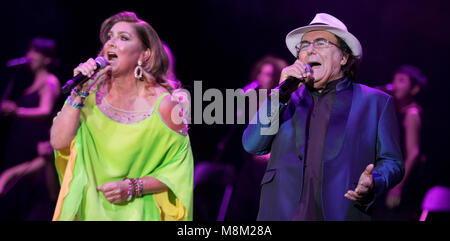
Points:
x=171 y=114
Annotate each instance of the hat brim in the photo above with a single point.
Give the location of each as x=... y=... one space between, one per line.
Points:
x=295 y=36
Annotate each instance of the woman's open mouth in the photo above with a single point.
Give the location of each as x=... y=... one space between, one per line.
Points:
x=111 y=56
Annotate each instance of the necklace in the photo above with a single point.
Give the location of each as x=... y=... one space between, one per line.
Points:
x=120 y=115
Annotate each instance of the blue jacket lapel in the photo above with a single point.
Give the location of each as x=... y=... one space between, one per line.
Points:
x=303 y=102
x=338 y=120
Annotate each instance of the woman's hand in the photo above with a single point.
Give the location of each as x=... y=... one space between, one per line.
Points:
x=44 y=149
x=393 y=197
x=115 y=192
x=5 y=178
x=88 y=69
x=8 y=107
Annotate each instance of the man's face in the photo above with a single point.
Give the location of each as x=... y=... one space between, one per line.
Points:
x=326 y=62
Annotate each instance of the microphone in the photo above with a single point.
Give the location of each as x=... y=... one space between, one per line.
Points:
x=80 y=78
x=17 y=62
x=253 y=85
x=290 y=85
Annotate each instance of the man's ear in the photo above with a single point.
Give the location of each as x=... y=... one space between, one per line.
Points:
x=344 y=59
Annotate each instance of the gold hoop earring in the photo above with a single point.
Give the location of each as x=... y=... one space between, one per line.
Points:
x=138 y=71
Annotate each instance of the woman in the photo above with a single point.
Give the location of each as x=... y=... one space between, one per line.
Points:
x=119 y=152
x=244 y=203
x=25 y=179
x=32 y=110
x=404 y=200
x=265 y=73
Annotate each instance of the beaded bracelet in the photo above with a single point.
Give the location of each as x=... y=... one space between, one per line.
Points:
x=133 y=180
x=130 y=189
x=82 y=94
x=135 y=188
x=140 y=187
x=74 y=104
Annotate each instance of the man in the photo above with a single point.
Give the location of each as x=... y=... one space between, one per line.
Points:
x=337 y=147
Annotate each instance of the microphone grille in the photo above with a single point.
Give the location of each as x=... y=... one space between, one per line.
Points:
x=101 y=61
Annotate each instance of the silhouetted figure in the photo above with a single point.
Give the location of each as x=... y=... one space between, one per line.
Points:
x=31 y=112
x=403 y=202
x=244 y=202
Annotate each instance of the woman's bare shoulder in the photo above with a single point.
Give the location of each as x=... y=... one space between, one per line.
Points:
x=172 y=114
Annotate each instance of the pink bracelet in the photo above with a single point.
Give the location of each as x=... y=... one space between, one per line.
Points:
x=135 y=187
x=140 y=187
x=130 y=189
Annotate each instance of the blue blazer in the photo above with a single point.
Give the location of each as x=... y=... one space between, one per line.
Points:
x=363 y=129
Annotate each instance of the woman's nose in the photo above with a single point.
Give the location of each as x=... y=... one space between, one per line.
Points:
x=111 y=42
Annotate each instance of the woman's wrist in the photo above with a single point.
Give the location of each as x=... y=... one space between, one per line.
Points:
x=81 y=93
x=17 y=112
x=135 y=188
x=129 y=190
x=75 y=101
x=77 y=98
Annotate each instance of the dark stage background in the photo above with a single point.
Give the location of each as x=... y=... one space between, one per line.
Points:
x=217 y=41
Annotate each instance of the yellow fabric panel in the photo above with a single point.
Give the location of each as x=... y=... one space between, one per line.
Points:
x=65 y=161
x=168 y=210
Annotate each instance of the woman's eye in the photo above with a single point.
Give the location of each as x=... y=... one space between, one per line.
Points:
x=124 y=38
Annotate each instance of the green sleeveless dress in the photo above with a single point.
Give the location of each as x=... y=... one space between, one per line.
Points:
x=104 y=151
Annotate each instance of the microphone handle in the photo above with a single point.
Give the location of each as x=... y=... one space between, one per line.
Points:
x=79 y=79
x=287 y=87
x=289 y=83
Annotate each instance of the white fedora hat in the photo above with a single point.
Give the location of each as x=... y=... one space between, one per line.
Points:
x=324 y=21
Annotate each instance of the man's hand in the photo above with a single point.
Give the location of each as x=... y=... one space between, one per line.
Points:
x=365 y=186
x=298 y=70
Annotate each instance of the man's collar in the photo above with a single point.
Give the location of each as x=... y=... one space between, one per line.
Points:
x=338 y=85
x=343 y=84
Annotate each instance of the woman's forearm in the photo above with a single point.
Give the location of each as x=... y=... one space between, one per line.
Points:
x=36 y=112
x=152 y=185
x=410 y=162
x=65 y=125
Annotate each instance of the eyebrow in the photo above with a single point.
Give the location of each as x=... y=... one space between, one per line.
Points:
x=121 y=32
x=305 y=41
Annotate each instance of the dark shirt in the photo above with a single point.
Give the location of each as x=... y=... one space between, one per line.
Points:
x=310 y=207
